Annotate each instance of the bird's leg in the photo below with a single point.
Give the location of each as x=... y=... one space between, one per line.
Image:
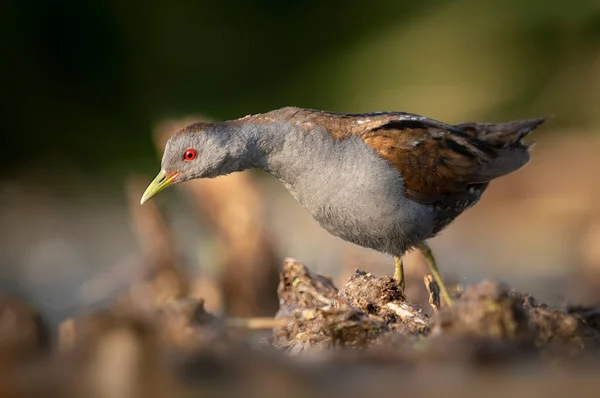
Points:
x=399 y=272
x=424 y=248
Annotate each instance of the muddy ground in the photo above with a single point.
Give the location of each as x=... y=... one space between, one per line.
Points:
x=359 y=339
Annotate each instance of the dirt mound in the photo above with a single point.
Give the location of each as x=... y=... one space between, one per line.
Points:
x=373 y=311
x=363 y=339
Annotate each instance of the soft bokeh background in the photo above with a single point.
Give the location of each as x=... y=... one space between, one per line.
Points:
x=87 y=86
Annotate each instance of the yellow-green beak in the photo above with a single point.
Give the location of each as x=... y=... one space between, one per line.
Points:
x=162 y=181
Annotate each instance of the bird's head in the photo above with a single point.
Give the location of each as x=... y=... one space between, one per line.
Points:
x=200 y=150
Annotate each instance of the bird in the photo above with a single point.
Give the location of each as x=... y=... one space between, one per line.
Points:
x=387 y=181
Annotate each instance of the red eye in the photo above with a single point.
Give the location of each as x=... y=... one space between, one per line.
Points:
x=190 y=154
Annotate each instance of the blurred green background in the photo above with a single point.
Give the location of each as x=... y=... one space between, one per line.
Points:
x=86 y=82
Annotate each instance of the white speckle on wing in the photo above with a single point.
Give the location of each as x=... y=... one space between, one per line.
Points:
x=416 y=143
x=363 y=121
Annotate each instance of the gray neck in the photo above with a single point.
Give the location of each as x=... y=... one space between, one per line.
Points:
x=312 y=165
x=283 y=150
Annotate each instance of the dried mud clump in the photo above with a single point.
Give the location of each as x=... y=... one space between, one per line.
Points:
x=383 y=298
x=315 y=314
x=590 y=316
x=556 y=327
x=490 y=310
x=485 y=310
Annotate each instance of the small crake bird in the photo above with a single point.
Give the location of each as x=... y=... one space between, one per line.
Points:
x=386 y=180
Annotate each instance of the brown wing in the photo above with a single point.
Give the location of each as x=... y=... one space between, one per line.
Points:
x=435 y=160
x=439 y=161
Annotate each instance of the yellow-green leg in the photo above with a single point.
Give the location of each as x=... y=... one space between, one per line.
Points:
x=424 y=248
x=399 y=272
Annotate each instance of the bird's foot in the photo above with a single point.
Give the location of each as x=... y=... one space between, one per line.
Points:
x=399 y=272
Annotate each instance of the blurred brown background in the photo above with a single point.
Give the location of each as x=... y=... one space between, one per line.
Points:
x=91 y=87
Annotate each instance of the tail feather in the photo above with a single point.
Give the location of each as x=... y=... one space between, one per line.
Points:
x=506 y=140
x=503 y=135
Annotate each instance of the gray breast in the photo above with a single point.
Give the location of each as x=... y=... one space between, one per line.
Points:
x=352 y=192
